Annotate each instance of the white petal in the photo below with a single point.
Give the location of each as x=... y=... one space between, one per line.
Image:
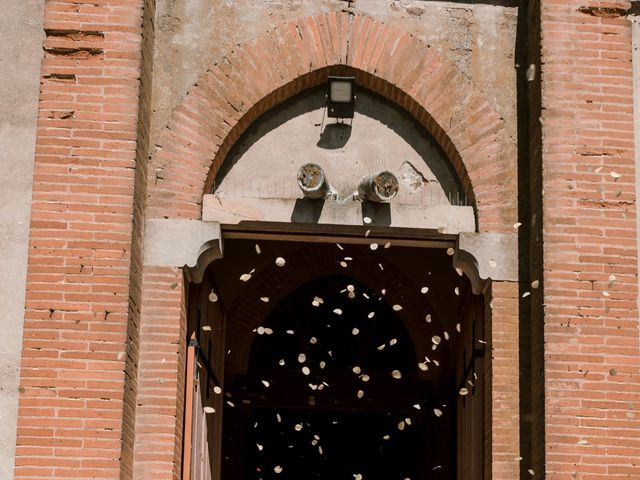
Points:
x=339 y=246
x=209 y=410
x=397 y=374
x=355 y=331
x=265 y=383
x=446 y=335
x=366 y=234
x=526 y=294
x=463 y=391
x=417 y=406
x=423 y=366
x=290 y=332
x=456 y=291
x=450 y=251
x=424 y=289
x=258 y=251
x=536 y=283
x=458 y=328
x=437 y=412
x=260 y=447
x=280 y=262
x=217 y=390
x=260 y=330
x=281 y=362
x=387 y=245
x=245 y=277
x=517 y=225
x=373 y=246
x=371 y=314
x=277 y=469
x=356 y=370
x=365 y=378
x=213 y=296
x=436 y=340
x=265 y=299
x=393 y=341
x=337 y=311
x=381 y=347
x=401 y=425
x=313 y=340
x=322 y=364
x=206 y=328
x=350 y=288
x=305 y=370
x=493 y=264
x=397 y=307
x=302 y=358
x=366 y=220
x=428 y=318
x=360 y=393
x=343 y=264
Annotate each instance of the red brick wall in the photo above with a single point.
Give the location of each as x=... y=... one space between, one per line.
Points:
x=77 y=299
x=592 y=359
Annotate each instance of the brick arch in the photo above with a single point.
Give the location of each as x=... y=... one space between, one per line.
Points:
x=298 y=55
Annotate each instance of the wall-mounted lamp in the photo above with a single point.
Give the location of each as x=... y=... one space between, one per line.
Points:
x=341 y=97
x=313 y=182
x=379 y=188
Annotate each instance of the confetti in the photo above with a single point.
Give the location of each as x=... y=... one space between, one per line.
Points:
x=437 y=412
x=397 y=374
x=373 y=246
x=463 y=391
x=367 y=220
x=280 y=262
x=258 y=251
x=213 y=297
x=397 y=308
x=302 y=358
x=217 y=390
x=265 y=299
x=305 y=370
x=209 y=410
x=424 y=289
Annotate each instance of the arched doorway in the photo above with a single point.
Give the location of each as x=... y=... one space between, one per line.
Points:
x=333 y=371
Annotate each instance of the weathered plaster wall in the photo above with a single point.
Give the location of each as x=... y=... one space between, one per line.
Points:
x=193 y=34
x=21 y=36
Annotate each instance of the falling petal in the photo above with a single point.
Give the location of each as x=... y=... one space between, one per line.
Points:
x=387 y=245
x=305 y=370
x=436 y=363
x=355 y=331
x=206 y=328
x=424 y=289
x=612 y=279
x=437 y=412
x=350 y=288
x=456 y=290
x=459 y=271
x=393 y=341
x=348 y=259
x=535 y=284
x=463 y=391
x=517 y=225
x=436 y=467
x=606 y=294
x=281 y=362
x=428 y=318
x=458 y=327
x=230 y=403
x=343 y=264
x=357 y=476
x=401 y=425
x=322 y=364
x=260 y=447
x=397 y=308
x=356 y=370
x=383 y=291
x=302 y=358
x=386 y=437
x=290 y=332
x=381 y=347
x=365 y=296
x=278 y=418
x=450 y=251
x=339 y=246
x=365 y=378
x=280 y=262
x=373 y=246
x=351 y=295
x=531 y=471
x=371 y=314
x=583 y=442
x=446 y=335
x=397 y=374
x=423 y=366
x=518 y=459
x=407 y=421
x=217 y=390
x=277 y=469
x=366 y=234
x=337 y=311
x=265 y=383
x=245 y=277
x=360 y=393
x=209 y=410
x=258 y=251
x=417 y=406
x=313 y=340
x=213 y=296
x=366 y=220
x=615 y=175
x=526 y=294
x=436 y=340
x=260 y=330
x=265 y=299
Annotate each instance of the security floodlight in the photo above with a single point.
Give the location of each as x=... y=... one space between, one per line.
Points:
x=379 y=188
x=341 y=97
x=313 y=182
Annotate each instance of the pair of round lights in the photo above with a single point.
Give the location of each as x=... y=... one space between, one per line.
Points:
x=380 y=187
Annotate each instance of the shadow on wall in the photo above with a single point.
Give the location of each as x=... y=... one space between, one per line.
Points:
x=335 y=136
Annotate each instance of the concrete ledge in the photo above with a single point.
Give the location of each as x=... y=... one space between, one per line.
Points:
x=487 y=256
x=193 y=244
x=233 y=210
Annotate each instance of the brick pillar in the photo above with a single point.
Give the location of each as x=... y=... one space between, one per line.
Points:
x=77 y=299
x=592 y=359
x=502 y=395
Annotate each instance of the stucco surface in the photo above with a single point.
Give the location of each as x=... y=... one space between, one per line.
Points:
x=21 y=35
x=192 y=35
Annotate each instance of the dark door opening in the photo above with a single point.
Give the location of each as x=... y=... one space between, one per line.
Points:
x=341 y=379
